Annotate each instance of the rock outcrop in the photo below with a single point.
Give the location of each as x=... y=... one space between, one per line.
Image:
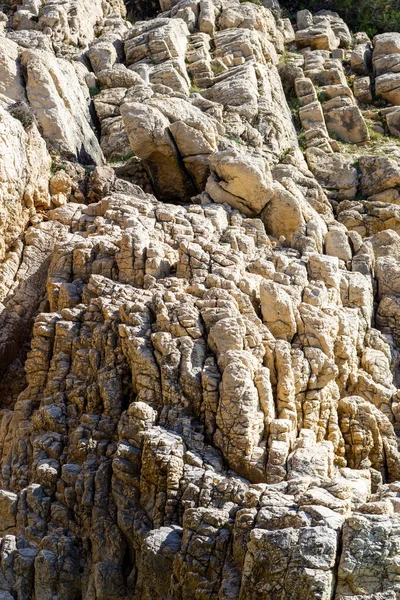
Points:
x=199 y=303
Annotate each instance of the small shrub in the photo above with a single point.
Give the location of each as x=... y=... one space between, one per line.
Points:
x=23 y=112
x=217 y=68
x=371 y=16
x=294 y=105
x=322 y=96
x=302 y=141
x=94 y=91
x=236 y=140
x=116 y=159
x=56 y=166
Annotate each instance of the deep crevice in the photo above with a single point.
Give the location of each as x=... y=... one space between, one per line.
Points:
x=141 y=10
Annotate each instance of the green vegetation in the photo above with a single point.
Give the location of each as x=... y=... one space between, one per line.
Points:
x=375 y=136
x=322 y=95
x=23 y=112
x=285 y=154
x=194 y=89
x=294 y=105
x=334 y=136
x=57 y=166
x=302 y=141
x=118 y=160
x=235 y=139
x=94 y=91
x=371 y=16
x=217 y=68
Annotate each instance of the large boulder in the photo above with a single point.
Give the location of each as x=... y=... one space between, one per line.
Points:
x=151 y=140
x=362 y=89
x=288 y=215
x=388 y=87
x=334 y=172
x=386 y=43
x=175 y=143
x=318 y=36
x=244 y=182
x=61 y=109
x=8 y=511
x=361 y=59
x=247 y=15
x=378 y=173
x=345 y=119
x=102 y=55
x=392 y=116
x=159 y=40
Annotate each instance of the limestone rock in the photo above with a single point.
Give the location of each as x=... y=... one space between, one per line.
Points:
x=25 y=168
x=56 y=98
x=199 y=339
x=378 y=173
x=385 y=62
x=177 y=131
x=240 y=181
x=8 y=510
x=334 y=172
x=346 y=121
x=10 y=73
x=361 y=58
x=362 y=89
x=318 y=35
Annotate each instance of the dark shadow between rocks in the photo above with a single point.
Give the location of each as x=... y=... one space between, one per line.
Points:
x=138 y=10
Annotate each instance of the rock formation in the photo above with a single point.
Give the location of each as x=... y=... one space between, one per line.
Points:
x=199 y=303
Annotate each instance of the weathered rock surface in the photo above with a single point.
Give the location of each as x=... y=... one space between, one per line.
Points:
x=385 y=63
x=199 y=340
x=58 y=103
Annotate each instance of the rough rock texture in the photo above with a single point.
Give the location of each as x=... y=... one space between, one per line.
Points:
x=199 y=340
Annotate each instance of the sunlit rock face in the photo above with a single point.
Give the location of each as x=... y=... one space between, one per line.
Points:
x=199 y=303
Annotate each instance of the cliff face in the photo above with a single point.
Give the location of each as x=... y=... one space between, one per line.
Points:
x=199 y=303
